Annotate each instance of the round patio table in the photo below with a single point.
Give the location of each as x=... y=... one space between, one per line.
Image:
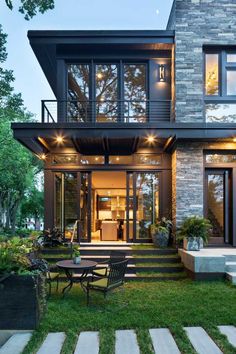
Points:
x=70 y=267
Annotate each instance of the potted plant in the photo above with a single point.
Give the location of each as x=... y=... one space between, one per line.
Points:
x=160 y=232
x=22 y=286
x=194 y=232
x=76 y=255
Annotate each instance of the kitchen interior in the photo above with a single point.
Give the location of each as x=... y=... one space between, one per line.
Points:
x=109 y=206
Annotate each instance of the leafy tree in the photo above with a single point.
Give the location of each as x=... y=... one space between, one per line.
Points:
x=32 y=206
x=30 y=8
x=17 y=165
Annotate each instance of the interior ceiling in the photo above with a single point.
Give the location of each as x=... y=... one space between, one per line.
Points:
x=108 y=180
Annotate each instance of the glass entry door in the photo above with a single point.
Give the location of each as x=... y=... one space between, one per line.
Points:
x=143 y=204
x=218 y=205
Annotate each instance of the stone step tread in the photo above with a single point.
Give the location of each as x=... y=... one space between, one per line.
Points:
x=126 y=342
x=16 y=343
x=163 y=341
x=88 y=343
x=230 y=263
x=53 y=343
x=201 y=341
x=230 y=333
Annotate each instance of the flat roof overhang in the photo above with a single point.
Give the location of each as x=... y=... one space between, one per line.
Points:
x=49 y=46
x=113 y=138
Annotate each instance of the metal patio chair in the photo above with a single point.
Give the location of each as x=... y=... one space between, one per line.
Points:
x=115 y=257
x=113 y=280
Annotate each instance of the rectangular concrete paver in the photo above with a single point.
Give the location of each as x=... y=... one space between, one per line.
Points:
x=88 y=343
x=163 y=342
x=126 y=342
x=52 y=344
x=230 y=333
x=201 y=341
x=16 y=343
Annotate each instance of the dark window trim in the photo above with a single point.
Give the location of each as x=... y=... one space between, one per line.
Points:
x=224 y=66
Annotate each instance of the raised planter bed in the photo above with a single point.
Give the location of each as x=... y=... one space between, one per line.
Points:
x=22 y=301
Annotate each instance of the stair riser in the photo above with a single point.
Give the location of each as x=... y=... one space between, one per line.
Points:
x=231 y=268
x=230 y=258
x=232 y=279
x=98 y=252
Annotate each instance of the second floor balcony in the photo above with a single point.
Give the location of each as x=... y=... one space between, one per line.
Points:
x=106 y=111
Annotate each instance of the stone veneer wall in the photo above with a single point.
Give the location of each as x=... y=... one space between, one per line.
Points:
x=197 y=22
x=187 y=182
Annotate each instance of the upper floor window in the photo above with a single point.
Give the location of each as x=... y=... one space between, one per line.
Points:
x=220 y=86
x=107 y=91
x=220 y=74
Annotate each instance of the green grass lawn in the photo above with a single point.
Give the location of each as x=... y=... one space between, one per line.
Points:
x=143 y=305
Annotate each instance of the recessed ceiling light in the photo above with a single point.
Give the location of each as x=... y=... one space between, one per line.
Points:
x=157 y=11
x=59 y=139
x=151 y=139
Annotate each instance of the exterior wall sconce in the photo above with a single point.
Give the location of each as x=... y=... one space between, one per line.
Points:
x=162 y=73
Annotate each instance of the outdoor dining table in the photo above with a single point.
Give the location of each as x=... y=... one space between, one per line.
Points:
x=70 y=267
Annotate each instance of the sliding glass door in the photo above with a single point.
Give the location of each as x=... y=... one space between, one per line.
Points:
x=218 y=204
x=73 y=204
x=143 y=204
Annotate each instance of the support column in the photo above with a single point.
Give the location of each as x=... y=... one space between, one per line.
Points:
x=48 y=199
x=187 y=182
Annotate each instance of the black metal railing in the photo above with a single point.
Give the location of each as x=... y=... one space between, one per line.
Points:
x=108 y=111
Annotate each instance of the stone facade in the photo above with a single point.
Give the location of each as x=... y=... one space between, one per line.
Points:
x=187 y=182
x=197 y=23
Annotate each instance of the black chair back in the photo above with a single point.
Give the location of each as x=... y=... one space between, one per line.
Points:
x=117 y=272
x=116 y=256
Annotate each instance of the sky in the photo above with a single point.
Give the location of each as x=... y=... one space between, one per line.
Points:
x=70 y=15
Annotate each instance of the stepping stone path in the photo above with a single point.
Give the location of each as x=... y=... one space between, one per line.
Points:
x=53 y=343
x=202 y=343
x=163 y=342
x=230 y=333
x=125 y=342
x=88 y=343
x=16 y=343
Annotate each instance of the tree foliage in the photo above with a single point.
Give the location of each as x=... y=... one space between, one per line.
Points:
x=17 y=166
x=29 y=8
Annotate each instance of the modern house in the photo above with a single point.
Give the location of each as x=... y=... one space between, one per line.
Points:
x=143 y=125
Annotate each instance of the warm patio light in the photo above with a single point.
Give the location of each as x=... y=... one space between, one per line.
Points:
x=43 y=157
x=117 y=159
x=59 y=139
x=234 y=140
x=151 y=139
x=162 y=73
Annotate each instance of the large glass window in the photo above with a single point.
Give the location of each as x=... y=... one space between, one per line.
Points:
x=220 y=112
x=106 y=93
x=147 y=200
x=78 y=109
x=212 y=74
x=135 y=92
x=231 y=82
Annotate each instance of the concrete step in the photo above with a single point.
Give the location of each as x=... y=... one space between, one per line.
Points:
x=163 y=342
x=201 y=341
x=230 y=267
x=230 y=258
x=88 y=343
x=126 y=342
x=232 y=277
x=16 y=343
x=52 y=344
x=230 y=333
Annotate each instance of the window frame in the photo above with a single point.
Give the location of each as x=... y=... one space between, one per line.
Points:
x=224 y=66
